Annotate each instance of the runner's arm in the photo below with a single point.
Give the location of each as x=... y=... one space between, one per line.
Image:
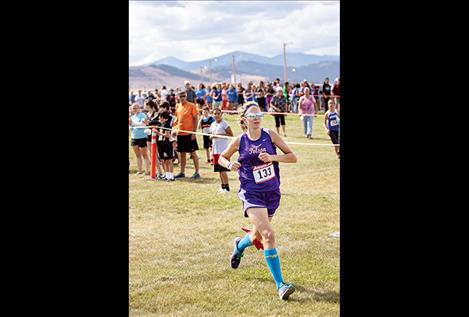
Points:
x=287 y=157
x=224 y=159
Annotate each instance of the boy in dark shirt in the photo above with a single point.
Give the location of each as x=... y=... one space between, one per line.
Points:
x=165 y=147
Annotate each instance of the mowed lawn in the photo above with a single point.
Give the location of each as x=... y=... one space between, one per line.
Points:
x=181 y=238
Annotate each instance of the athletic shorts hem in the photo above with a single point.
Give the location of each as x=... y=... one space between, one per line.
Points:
x=139 y=142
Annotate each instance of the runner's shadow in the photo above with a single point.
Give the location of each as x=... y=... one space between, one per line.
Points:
x=324 y=139
x=202 y=180
x=329 y=296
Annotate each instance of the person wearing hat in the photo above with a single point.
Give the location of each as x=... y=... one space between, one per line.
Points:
x=190 y=93
x=187 y=119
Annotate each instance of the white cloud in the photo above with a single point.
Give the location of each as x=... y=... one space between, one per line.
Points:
x=194 y=30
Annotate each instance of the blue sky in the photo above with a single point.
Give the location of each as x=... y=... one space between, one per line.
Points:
x=195 y=30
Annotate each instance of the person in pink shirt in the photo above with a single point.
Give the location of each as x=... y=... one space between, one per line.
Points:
x=306 y=111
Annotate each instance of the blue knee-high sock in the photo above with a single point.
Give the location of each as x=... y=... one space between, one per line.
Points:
x=273 y=262
x=244 y=243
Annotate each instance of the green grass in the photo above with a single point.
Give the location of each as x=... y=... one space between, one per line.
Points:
x=181 y=237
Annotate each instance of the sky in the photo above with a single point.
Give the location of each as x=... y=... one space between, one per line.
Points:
x=197 y=30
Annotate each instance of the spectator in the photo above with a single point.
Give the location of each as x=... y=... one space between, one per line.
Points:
x=240 y=94
x=326 y=93
x=164 y=94
x=276 y=83
x=232 y=96
x=296 y=94
x=131 y=98
x=190 y=93
x=208 y=98
x=306 y=110
x=302 y=88
x=270 y=92
x=204 y=124
x=220 y=127
x=150 y=96
x=286 y=94
x=260 y=99
x=315 y=93
x=201 y=94
x=165 y=147
x=140 y=100
x=216 y=96
x=261 y=87
x=336 y=93
x=249 y=93
x=138 y=121
x=279 y=104
x=172 y=120
x=187 y=119
x=152 y=117
x=171 y=98
x=224 y=98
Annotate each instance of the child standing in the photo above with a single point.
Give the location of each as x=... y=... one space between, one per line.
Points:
x=204 y=124
x=165 y=147
x=220 y=127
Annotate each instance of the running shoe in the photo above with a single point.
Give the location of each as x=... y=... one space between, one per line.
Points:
x=285 y=291
x=195 y=176
x=180 y=175
x=236 y=255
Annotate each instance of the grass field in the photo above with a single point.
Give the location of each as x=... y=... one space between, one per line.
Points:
x=181 y=237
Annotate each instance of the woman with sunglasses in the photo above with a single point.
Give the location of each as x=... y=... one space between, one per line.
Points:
x=258 y=170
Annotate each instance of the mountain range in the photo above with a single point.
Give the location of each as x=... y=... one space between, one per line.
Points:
x=172 y=72
x=294 y=60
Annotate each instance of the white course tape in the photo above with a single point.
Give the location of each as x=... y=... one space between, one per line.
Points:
x=232 y=137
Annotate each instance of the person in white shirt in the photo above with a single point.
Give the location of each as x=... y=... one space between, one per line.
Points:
x=163 y=94
x=140 y=100
x=220 y=127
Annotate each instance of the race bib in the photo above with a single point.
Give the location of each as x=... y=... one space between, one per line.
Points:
x=334 y=123
x=263 y=173
x=206 y=130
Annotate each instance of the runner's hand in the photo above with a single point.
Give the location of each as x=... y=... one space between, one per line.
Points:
x=265 y=157
x=193 y=136
x=235 y=166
